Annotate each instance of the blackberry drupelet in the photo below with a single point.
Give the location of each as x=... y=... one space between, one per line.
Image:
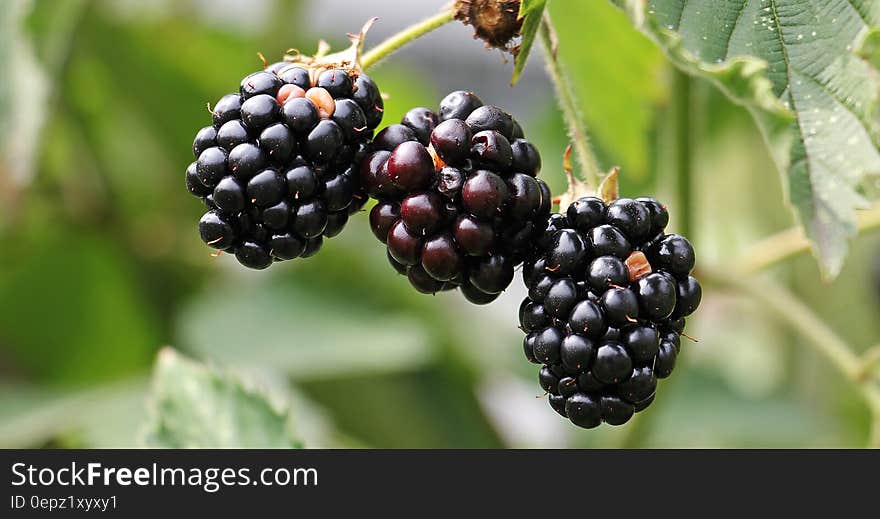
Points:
x=278 y=167
x=608 y=297
x=458 y=202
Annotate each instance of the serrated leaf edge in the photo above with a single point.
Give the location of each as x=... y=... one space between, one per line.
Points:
x=168 y=357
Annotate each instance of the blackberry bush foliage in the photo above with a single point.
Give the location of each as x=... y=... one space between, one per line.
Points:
x=608 y=297
x=277 y=169
x=458 y=202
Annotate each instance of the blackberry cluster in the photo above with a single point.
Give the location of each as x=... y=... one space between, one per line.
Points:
x=608 y=297
x=458 y=202
x=278 y=167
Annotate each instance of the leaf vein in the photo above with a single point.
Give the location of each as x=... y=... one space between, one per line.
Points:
x=681 y=15
x=800 y=129
x=733 y=29
x=863 y=17
x=831 y=93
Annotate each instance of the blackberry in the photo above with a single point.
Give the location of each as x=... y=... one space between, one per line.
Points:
x=278 y=166
x=459 y=206
x=608 y=294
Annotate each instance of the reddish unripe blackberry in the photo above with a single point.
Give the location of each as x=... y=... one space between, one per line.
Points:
x=440 y=258
x=278 y=168
x=608 y=293
x=382 y=217
x=451 y=140
x=410 y=166
x=484 y=194
x=459 y=203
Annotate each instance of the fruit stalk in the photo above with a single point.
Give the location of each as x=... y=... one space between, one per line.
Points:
x=796 y=314
x=683 y=158
x=390 y=45
x=568 y=105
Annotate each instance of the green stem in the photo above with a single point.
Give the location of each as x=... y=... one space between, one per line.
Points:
x=786 y=244
x=786 y=307
x=568 y=105
x=683 y=156
x=870 y=362
x=682 y=118
x=387 y=47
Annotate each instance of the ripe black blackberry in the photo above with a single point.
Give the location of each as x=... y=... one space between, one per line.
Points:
x=458 y=201
x=608 y=297
x=278 y=167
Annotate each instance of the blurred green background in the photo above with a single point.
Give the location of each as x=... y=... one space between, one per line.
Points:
x=101 y=264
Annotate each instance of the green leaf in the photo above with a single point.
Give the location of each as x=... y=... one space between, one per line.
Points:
x=618 y=102
x=99 y=416
x=197 y=406
x=306 y=335
x=794 y=65
x=530 y=12
x=73 y=308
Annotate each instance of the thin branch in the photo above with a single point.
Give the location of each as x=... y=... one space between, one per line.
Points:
x=387 y=47
x=786 y=307
x=870 y=362
x=789 y=243
x=568 y=104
